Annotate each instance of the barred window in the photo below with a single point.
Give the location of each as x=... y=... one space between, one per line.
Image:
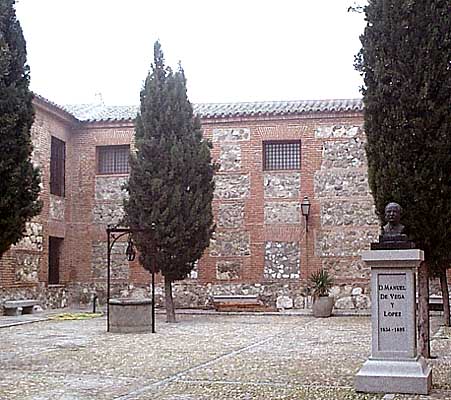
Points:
x=113 y=159
x=281 y=155
x=57 y=166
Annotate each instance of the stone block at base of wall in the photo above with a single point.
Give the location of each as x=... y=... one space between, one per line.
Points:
x=55 y=296
x=193 y=295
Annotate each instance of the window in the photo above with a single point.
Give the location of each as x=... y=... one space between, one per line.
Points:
x=57 y=166
x=113 y=159
x=282 y=155
x=55 y=251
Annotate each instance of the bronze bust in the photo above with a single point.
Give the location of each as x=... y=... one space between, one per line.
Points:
x=392 y=236
x=393 y=216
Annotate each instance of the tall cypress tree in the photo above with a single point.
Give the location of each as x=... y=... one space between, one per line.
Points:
x=171 y=179
x=19 y=183
x=405 y=62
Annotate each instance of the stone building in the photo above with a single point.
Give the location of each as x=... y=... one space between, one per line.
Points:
x=271 y=154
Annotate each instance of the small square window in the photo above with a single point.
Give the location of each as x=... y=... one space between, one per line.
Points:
x=113 y=159
x=281 y=155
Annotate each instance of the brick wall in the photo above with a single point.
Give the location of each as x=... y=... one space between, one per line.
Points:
x=261 y=244
x=24 y=268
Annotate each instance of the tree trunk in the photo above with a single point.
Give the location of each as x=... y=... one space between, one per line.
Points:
x=423 y=310
x=169 y=301
x=445 y=295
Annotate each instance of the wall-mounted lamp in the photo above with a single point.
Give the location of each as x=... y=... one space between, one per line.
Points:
x=305 y=210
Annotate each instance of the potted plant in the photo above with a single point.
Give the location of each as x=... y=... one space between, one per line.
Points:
x=322 y=303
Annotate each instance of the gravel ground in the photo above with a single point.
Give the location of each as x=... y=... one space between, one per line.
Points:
x=200 y=357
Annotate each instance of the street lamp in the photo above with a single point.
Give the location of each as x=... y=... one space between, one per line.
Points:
x=305 y=210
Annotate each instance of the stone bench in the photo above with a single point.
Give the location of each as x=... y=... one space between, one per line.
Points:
x=237 y=302
x=435 y=302
x=19 y=307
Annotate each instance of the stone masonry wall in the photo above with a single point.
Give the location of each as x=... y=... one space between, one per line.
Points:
x=49 y=297
x=232 y=186
x=57 y=208
x=27 y=267
x=232 y=194
x=119 y=262
x=261 y=245
x=281 y=260
x=190 y=294
x=230 y=157
x=229 y=270
x=348 y=223
x=33 y=238
x=27 y=255
x=227 y=244
x=282 y=185
x=223 y=135
x=110 y=187
x=282 y=212
x=231 y=215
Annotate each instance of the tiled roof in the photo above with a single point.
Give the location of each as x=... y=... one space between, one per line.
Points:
x=100 y=112
x=40 y=99
x=218 y=110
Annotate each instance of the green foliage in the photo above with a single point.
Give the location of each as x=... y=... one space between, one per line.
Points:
x=322 y=283
x=171 y=178
x=19 y=183
x=405 y=62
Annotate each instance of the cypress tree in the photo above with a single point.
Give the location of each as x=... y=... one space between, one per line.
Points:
x=171 y=179
x=405 y=62
x=19 y=183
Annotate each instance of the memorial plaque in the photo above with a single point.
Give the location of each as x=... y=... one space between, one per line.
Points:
x=394 y=365
x=393 y=313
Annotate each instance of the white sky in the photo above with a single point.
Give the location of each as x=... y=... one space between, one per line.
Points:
x=231 y=50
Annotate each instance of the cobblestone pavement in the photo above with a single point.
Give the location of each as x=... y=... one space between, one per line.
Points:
x=201 y=357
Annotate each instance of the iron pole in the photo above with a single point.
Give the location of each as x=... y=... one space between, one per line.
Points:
x=153 y=283
x=108 y=256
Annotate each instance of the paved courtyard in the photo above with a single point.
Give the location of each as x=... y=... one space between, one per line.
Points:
x=201 y=357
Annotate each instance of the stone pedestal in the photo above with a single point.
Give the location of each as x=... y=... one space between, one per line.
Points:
x=130 y=315
x=394 y=365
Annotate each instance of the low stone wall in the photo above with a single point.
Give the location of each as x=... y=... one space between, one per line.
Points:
x=49 y=297
x=57 y=296
x=190 y=294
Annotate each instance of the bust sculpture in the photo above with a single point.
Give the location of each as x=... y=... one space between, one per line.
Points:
x=392 y=236
x=393 y=217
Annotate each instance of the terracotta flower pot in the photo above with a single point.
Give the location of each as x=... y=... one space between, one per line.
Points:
x=322 y=306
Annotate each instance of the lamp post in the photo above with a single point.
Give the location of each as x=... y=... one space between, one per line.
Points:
x=305 y=210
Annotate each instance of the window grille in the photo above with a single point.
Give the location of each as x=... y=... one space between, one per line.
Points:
x=55 y=251
x=282 y=155
x=113 y=159
x=57 y=166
